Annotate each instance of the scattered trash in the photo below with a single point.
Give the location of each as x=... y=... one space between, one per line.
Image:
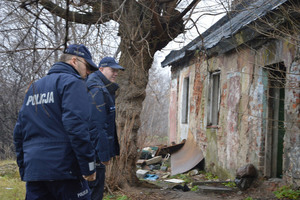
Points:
x=243 y=183
x=213 y=189
x=148 y=152
x=154 y=167
x=189 y=156
x=210 y=182
x=193 y=172
x=245 y=176
x=140 y=173
x=140 y=162
x=165 y=159
x=164 y=168
x=156 y=159
x=151 y=177
x=184 y=188
x=157 y=166
x=164 y=150
x=174 y=180
x=166 y=175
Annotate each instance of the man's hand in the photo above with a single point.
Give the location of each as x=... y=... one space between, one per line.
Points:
x=105 y=163
x=91 y=177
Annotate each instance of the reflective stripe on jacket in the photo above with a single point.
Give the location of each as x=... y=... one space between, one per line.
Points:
x=51 y=135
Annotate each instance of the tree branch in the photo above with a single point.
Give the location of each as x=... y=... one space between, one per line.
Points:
x=87 y=18
x=180 y=16
x=31 y=49
x=156 y=18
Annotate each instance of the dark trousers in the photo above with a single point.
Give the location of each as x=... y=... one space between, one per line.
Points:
x=58 y=190
x=97 y=186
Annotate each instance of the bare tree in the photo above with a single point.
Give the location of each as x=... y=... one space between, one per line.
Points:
x=25 y=56
x=154 y=116
x=144 y=27
x=31 y=41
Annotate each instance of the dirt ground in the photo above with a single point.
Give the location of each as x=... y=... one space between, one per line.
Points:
x=260 y=190
x=160 y=190
x=158 y=194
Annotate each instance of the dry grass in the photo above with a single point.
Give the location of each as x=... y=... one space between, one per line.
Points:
x=11 y=186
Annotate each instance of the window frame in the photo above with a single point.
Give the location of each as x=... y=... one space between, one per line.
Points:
x=213 y=101
x=185 y=100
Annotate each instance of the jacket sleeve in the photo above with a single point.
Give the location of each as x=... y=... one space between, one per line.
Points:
x=75 y=117
x=18 y=142
x=98 y=129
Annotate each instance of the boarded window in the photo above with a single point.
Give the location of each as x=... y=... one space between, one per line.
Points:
x=185 y=101
x=213 y=98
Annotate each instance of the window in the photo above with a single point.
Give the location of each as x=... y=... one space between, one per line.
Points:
x=213 y=98
x=185 y=101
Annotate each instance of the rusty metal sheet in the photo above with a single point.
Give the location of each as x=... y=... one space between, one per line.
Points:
x=163 y=151
x=187 y=157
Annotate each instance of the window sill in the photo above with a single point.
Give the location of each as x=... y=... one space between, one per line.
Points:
x=212 y=127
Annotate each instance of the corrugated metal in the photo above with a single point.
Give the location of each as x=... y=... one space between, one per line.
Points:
x=245 y=17
x=187 y=157
x=225 y=30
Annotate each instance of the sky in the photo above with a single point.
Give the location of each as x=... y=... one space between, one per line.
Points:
x=205 y=15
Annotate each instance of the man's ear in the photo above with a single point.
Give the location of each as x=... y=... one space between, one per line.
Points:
x=72 y=61
x=101 y=69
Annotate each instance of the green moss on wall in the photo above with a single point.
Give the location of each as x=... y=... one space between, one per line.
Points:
x=269 y=53
x=239 y=38
x=211 y=157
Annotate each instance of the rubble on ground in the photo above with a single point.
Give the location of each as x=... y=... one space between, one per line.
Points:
x=245 y=176
x=154 y=165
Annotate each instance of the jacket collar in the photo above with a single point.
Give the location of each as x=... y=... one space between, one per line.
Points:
x=62 y=67
x=111 y=87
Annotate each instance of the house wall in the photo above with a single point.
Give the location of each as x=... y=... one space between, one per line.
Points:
x=179 y=131
x=173 y=112
x=240 y=136
x=291 y=164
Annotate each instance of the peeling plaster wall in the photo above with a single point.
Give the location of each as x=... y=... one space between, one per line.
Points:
x=292 y=140
x=173 y=112
x=240 y=136
x=180 y=129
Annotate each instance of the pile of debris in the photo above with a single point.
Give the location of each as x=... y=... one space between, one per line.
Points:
x=155 y=164
x=153 y=161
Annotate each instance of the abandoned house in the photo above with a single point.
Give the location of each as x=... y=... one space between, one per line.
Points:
x=236 y=90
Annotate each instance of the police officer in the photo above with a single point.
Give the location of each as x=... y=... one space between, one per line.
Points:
x=102 y=88
x=54 y=152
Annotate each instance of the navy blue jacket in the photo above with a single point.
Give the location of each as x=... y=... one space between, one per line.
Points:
x=51 y=135
x=103 y=134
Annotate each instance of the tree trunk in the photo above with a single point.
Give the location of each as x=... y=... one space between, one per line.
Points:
x=139 y=42
x=133 y=82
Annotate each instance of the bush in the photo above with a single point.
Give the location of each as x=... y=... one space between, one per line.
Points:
x=286 y=192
